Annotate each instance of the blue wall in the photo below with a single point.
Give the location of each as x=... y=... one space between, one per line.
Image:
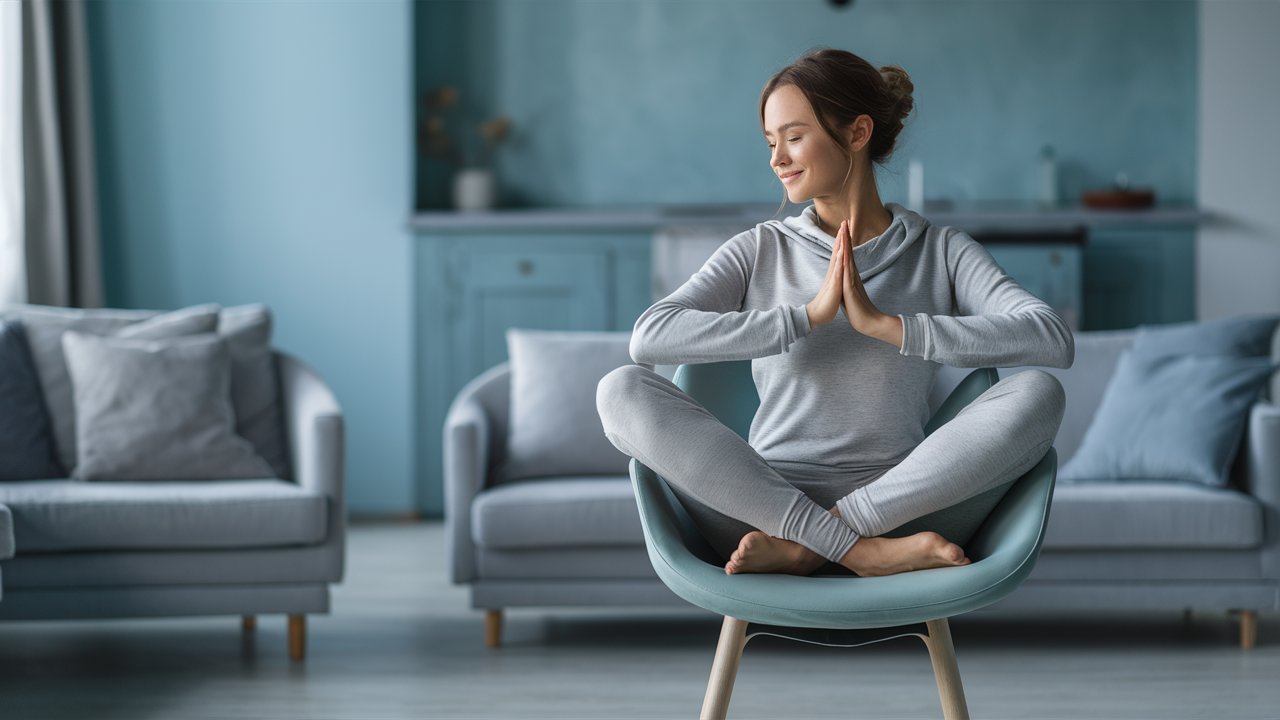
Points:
x=637 y=102
x=263 y=152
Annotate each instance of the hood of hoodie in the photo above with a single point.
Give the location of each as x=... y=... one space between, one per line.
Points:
x=872 y=256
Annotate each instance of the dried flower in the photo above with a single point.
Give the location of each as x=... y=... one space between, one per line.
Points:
x=434 y=138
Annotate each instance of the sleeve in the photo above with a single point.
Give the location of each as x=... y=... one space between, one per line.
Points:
x=999 y=323
x=703 y=320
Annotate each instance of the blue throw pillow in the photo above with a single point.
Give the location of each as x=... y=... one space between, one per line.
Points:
x=1170 y=417
x=26 y=441
x=1246 y=335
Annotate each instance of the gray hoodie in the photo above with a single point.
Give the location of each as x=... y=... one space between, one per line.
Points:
x=831 y=396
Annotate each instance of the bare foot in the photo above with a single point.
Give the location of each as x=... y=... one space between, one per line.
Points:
x=763 y=553
x=873 y=556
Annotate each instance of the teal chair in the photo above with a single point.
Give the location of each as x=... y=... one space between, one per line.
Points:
x=844 y=610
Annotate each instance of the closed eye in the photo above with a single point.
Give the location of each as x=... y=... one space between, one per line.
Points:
x=788 y=139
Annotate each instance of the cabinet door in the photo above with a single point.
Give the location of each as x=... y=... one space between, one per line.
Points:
x=492 y=290
x=1137 y=276
x=1050 y=272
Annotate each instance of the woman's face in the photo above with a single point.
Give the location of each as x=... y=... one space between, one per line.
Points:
x=808 y=162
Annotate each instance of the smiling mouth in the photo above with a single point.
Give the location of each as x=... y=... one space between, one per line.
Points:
x=792 y=176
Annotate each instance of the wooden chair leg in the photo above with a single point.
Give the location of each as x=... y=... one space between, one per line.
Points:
x=724 y=669
x=297 y=637
x=945 y=670
x=493 y=628
x=1248 y=629
x=248 y=623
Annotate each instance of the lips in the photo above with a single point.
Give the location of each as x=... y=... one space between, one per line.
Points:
x=790 y=176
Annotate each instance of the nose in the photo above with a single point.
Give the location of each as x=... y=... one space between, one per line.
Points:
x=776 y=159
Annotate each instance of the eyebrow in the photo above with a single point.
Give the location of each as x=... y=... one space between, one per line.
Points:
x=793 y=123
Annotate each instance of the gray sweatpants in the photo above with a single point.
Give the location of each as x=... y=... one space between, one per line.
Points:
x=730 y=490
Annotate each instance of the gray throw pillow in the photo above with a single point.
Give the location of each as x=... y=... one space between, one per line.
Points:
x=554 y=427
x=255 y=385
x=45 y=326
x=156 y=410
x=26 y=443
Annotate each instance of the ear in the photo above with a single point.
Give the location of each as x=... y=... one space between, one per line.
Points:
x=858 y=133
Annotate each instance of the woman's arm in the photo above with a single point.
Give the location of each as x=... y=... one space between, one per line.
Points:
x=999 y=323
x=703 y=321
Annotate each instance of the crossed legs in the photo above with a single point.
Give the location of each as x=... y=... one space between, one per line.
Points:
x=760 y=522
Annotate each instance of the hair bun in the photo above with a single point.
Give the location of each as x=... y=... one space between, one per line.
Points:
x=900 y=87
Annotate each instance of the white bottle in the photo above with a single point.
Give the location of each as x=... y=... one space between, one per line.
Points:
x=1048 y=177
x=915 y=185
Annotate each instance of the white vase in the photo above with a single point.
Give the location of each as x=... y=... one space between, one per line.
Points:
x=473 y=189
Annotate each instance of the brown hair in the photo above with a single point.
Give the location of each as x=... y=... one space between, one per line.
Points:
x=841 y=86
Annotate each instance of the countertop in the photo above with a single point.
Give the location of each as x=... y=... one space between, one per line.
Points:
x=969 y=215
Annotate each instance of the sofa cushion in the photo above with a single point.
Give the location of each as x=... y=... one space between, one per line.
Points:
x=68 y=515
x=45 y=326
x=554 y=428
x=1171 y=417
x=1107 y=515
x=156 y=410
x=557 y=512
x=26 y=440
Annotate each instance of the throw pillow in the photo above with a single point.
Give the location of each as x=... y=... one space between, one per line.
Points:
x=255 y=385
x=156 y=410
x=45 y=327
x=1170 y=417
x=1245 y=335
x=554 y=428
x=26 y=441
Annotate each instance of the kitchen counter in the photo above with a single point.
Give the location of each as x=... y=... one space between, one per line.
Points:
x=970 y=215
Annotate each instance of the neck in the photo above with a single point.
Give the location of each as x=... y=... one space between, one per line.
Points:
x=860 y=205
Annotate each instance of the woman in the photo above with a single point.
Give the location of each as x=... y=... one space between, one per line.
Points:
x=845 y=311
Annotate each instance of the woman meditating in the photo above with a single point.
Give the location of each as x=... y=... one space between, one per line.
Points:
x=846 y=312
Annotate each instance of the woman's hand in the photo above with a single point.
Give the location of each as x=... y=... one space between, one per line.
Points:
x=863 y=315
x=822 y=309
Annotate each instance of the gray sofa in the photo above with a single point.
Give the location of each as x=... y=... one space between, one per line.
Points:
x=113 y=549
x=577 y=541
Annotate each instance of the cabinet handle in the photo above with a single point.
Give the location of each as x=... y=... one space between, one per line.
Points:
x=525 y=267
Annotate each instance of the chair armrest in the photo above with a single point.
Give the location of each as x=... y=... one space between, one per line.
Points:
x=466 y=464
x=1262 y=476
x=317 y=452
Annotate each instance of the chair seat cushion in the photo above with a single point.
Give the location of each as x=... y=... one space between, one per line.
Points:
x=1134 y=514
x=557 y=512
x=69 y=515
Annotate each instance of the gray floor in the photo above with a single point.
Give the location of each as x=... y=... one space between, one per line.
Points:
x=402 y=643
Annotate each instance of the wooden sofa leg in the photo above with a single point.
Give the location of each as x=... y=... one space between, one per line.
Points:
x=1248 y=629
x=493 y=628
x=724 y=669
x=945 y=670
x=297 y=637
x=248 y=623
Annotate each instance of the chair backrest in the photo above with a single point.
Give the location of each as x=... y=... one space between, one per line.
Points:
x=726 y=389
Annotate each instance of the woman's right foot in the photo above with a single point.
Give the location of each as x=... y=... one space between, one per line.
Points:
x=874 y=556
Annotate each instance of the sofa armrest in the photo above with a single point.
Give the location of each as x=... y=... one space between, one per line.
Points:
x=317 y=452
x=466 y=465
x=1262 y=475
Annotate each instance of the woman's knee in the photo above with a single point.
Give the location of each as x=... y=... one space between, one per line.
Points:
x=618 y=393
x=1043 y=390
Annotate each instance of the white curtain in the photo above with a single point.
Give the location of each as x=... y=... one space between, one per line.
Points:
x=13 y=263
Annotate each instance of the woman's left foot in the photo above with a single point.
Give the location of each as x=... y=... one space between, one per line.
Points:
x=761 y=552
